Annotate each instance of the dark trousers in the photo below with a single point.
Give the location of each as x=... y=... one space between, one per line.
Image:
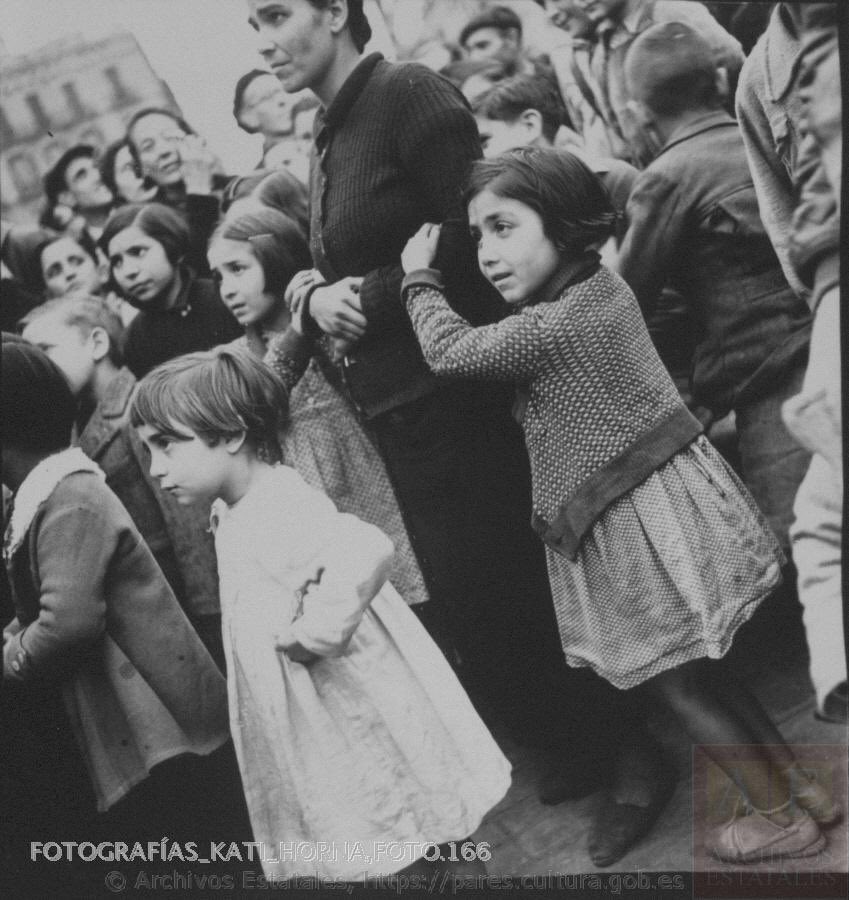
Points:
x=460 y=471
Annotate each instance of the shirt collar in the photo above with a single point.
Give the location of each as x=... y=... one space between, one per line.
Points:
x=349 y=92
x=716 y=118
x=569 y=272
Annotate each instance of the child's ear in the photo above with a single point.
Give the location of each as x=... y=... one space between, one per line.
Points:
x=100 y=343
x=235 y=443
x=531 y=120
x=723 y=87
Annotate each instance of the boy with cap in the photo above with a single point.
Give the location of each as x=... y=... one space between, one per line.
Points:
x=695 y=225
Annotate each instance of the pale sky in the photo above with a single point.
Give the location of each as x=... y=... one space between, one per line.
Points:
x=200 y=47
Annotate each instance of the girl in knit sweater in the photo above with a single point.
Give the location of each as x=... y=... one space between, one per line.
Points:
x=656 y=553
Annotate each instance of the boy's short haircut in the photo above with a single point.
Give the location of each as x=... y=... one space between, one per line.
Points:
x=508 y=99
x=276 y=240
x=671 y=68
x=216 y=394
x=54 y=181
x=500 y=18
x=157 y=221
x=573 y=204
x=85 y=314
x=36 y=404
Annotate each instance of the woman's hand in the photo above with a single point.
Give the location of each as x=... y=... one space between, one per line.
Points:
x=420 y=251
x=197 y=164
x=337 y=311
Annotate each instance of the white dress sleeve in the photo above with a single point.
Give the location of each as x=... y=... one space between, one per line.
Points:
x=335 y=562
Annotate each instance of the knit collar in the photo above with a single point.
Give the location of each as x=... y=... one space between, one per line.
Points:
x=570 y=272
x=348 y=94
x=37 y=487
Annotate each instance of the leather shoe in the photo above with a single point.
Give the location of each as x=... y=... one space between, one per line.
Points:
x=618 y=826
x=834 y=707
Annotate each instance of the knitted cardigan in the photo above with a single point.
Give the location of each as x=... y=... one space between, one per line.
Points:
x=392 y=151
x=602 y=412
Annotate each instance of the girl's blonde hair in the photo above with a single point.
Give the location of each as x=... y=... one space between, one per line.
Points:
x=216 y=394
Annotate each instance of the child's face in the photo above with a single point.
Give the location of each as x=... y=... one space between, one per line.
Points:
x=514 y=253
x=498 y=135
x=242 y=283
x=72 y=350
x=140 y=266
x=188 y=468
x=68 y=270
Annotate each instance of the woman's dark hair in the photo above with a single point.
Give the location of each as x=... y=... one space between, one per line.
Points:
x=574 y=206
x=36 y=403
x=157 y=221
x=357 y=21
x=156 y=111
x=276 y=240
x=107 y=165
x=217 y=394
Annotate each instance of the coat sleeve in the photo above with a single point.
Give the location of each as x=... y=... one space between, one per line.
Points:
x=770 y=175
x=74 y=546
x=509 y=350
x=657 y=215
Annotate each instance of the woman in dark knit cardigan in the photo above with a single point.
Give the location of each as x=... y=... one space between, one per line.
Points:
x=393 y=143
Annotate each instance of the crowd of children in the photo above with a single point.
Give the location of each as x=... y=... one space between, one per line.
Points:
x=275 y=554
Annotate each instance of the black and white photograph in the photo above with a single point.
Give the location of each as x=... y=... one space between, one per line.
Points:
x=422 y=449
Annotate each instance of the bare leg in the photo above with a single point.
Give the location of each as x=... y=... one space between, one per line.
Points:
x=711 y=720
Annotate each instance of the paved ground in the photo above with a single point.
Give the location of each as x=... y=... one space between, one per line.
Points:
x=531 y=839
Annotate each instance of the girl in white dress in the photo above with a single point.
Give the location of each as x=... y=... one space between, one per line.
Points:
x=358 y=748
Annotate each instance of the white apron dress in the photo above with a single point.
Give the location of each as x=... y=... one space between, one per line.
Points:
x=356 y=760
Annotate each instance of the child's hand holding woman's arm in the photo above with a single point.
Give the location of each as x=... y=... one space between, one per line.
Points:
x=420 y=251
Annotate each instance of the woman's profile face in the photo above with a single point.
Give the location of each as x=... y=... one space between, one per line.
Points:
x=295 y=40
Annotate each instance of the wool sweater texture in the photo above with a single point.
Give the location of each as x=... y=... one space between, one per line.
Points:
x=392 y=151
x=602 y=413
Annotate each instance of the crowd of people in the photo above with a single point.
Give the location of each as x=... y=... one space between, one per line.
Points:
x=497 y=398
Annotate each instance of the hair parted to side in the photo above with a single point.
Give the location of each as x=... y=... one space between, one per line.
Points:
x=216 y=394
x=276 y=240
x=85 y=314
x=358 y=24
x=157 y=221
x=508 y=99
x=574 y=206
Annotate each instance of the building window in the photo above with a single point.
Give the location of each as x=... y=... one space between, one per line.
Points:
x=75 y=105
x=25 y=176
x=42 y=120
x=7 y=133
x=122 y=95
